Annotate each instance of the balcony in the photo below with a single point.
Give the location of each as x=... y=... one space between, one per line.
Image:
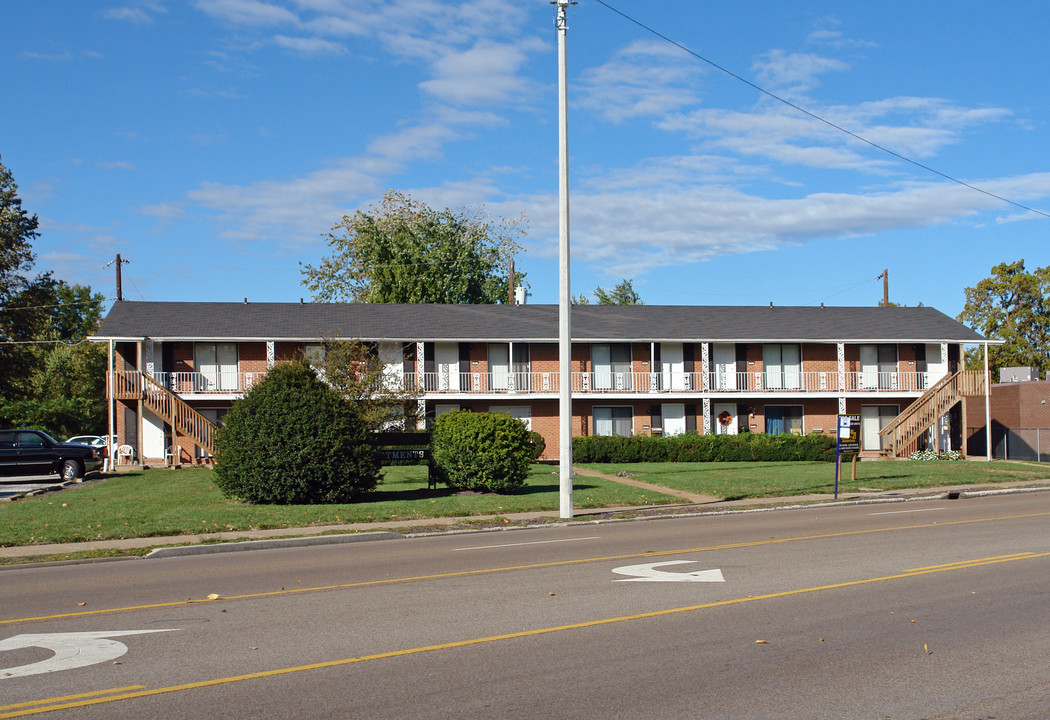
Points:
x=583 y=383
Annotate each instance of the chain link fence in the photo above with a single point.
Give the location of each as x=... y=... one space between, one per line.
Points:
x=1032 y=444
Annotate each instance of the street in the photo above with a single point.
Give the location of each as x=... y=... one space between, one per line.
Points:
x=932 y=609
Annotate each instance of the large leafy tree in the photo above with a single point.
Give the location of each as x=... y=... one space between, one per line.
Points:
x=622 y=294
x=406 y=252
x=49 y=377
x=1012 y=305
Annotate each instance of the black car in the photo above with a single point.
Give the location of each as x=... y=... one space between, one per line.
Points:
x=32 y=452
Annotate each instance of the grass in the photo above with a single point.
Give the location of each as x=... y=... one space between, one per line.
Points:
x=185 y=502
x=733 y=481
x=161 y=502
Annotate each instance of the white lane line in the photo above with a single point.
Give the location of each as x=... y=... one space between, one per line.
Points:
x=902 y=512
x=537 y=542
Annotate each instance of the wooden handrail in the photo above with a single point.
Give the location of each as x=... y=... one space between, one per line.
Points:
x=918 y=417
x=165 y=404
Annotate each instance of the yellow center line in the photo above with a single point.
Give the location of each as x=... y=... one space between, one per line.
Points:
x=532 y=566
x=78 y=696
x=964 y=563
x=515 y=635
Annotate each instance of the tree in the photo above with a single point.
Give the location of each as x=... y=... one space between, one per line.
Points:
x=358 y=374
x=406 y=252
x=290 y=440
x=622 y=294
x=1012 y=306
x=17 y=231
x=48 y=378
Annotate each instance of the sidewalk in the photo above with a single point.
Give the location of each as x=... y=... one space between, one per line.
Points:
x=330 y=534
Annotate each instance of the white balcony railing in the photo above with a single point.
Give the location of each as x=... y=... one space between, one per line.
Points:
x=510 y=383
x=193 y=383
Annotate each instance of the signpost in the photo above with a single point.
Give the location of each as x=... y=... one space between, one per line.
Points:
x=847 y=440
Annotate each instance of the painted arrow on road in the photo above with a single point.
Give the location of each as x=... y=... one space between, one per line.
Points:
x=72 y=650
x=648 y=572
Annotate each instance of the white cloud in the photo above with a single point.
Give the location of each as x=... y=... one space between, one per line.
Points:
x=253 y=13
x=633 y=231
x=309 y=46
x=793 y=72
x=645 y=79
x=486 y=72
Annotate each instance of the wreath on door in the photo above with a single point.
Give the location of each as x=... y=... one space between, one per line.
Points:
x=724 y=417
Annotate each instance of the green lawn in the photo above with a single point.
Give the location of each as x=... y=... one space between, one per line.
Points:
x=731 y=481
x=176 y=502
x=169 y=502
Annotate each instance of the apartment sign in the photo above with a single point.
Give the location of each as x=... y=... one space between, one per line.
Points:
x=848 y=436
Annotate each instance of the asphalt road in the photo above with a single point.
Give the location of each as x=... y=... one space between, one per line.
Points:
x=935 y=609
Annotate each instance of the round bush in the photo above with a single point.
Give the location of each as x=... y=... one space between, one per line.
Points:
x=294 y=440
x=481 y=451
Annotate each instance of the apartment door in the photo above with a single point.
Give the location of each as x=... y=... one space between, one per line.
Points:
x=872 y=419
x=726 y=412
x=446 y=363
x=392 y=356
x=723 y=355
x=672 y=365
x=673 y=415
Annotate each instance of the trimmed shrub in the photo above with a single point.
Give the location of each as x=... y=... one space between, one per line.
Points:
x=481 y=451
x=746 y=447
x=294 y=440
x=538 y=445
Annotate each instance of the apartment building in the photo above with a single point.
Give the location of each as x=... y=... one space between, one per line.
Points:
x=177 y=367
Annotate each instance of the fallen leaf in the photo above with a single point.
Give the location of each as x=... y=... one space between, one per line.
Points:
x=911 y=621
x=81 y=604
x=214 y=596
x=925 y=649
x=761 y=642
x=822 y=639
x=550 y=594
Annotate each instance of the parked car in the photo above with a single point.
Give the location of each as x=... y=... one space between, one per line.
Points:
x=33 y=452
x=93 y=440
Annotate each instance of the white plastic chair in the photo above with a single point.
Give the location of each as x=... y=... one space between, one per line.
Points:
x=125 y=453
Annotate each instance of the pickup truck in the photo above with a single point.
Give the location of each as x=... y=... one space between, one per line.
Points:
x=33 y=452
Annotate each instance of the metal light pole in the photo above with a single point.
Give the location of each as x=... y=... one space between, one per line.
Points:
x=564 y=296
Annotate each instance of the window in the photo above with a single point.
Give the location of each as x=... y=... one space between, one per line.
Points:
x=878 y=367
x=502 y=375
x=614 y=421
x=783 y=365
x=217 y=365
x=612 y=366
x=783 y=419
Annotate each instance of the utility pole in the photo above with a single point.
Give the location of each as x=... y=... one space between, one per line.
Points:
x=564 y=296
x=117 y=262
x=885 y=288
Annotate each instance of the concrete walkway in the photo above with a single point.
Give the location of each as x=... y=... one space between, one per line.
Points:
x=328 y=534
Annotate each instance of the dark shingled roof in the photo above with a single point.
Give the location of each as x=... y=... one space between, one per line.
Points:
x=170 y=321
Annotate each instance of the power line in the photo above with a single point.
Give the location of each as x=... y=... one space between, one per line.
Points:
x=813 y=115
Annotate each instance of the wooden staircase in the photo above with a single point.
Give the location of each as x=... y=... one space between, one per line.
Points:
x=900 y=435
x=184 y=420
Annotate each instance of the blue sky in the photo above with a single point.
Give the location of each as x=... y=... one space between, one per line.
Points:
x=214 y=142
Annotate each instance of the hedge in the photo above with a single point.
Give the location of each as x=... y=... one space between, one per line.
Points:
x=746 y=447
